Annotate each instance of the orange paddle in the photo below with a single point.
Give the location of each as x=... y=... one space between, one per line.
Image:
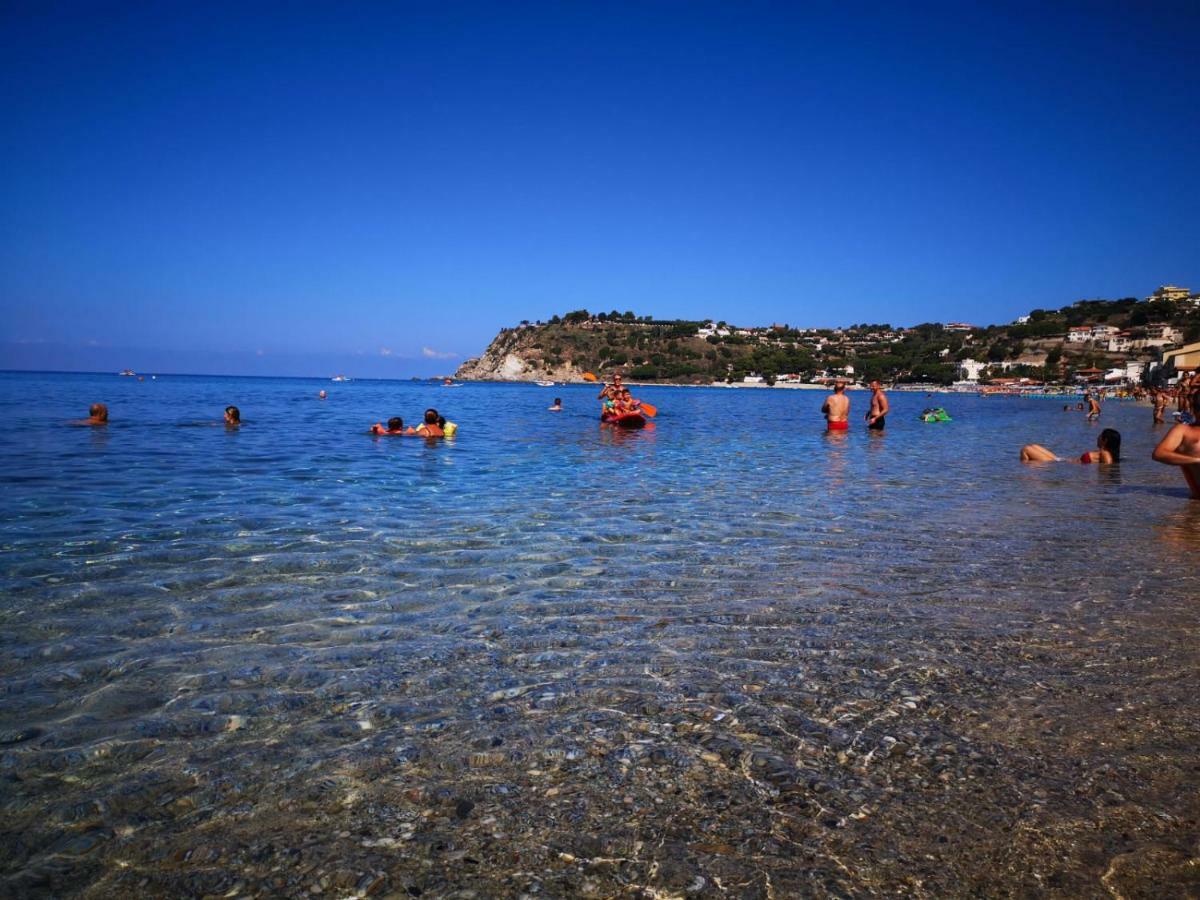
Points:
x=648 y=408
x=588 y=376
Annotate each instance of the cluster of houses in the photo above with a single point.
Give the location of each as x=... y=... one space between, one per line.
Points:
x=1124 y=341
x=1165 y=339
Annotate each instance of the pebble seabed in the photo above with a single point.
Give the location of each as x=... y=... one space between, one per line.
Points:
x=769 y=752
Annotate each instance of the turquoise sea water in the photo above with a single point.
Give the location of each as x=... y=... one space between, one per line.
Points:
x=213 y=637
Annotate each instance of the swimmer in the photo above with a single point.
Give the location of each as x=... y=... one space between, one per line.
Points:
x=97 y=415
x=1181 y=447
x=395 y=426
x=430 y=427
x=233 y=416
x=1093 y=407
x=557 y=407
x=1108 y=451
x=321 y=395
x=837 y=408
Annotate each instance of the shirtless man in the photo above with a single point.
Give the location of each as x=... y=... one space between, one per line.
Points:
x=879 y=407
x=1181 y=447
x=837 y=408
x=610 y=391
x=1093 y=407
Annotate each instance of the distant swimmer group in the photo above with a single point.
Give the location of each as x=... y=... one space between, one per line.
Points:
x=434 y=426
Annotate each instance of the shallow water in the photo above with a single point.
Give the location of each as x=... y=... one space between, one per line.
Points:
x=729 y=655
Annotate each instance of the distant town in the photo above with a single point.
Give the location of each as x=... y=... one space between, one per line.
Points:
x=1117 y=344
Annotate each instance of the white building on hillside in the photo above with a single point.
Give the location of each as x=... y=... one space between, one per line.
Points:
x=1121 y=342
x=1079 y=334
x=1161 y=335
x=970 y=369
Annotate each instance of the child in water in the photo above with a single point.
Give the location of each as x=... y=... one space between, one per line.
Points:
x=395 y=426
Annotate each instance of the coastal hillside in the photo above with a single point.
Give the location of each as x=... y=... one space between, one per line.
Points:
x=1051 y=345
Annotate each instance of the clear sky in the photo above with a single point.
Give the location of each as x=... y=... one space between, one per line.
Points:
x=301 y=188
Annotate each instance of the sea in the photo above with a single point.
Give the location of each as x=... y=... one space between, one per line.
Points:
x=726 y=655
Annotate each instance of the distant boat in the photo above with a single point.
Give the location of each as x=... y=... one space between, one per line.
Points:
x=341 y=378
x=546 y=383
x=129 y=372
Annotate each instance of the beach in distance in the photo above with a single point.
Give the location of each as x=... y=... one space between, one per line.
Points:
x=727 y=655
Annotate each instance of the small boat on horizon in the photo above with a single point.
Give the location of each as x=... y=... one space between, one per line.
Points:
x=341 y=378
x=545 y=383
x=127 y=372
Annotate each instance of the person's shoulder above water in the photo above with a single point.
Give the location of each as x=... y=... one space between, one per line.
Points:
x=97 y=415
x=395 y=427
x=432 y=426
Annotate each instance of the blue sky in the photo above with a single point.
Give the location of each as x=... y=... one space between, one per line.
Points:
x=378 y=188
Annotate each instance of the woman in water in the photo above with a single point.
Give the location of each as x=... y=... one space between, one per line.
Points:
x=1108 y=444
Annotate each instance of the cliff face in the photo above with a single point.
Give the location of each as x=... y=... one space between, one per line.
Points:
x=519 y=355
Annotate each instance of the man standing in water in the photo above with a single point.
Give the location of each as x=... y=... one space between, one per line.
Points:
x=879 y=407
x=1181 y=447
x=837 y=408
x=1093 y=407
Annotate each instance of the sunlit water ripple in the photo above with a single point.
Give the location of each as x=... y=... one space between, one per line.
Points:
x=728 y=655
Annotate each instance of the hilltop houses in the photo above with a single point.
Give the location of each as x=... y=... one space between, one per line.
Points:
x=1083 y=334
x=1173 y=294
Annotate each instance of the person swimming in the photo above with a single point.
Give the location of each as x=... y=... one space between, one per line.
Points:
x=557 y=406
x=97 y=415
x=431 y=427
x=233 y=416
x=1108 y=451
x=395 y=426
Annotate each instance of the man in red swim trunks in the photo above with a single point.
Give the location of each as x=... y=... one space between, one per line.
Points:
x=837 y=408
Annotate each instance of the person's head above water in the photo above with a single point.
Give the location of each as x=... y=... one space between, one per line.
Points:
x=395 y=423
x=233 y=415
x=1110 y=440
x=98 y=412
x=321 y=395
x=431 y=416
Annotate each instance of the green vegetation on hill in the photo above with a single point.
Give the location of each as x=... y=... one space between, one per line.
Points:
x=690 y=351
